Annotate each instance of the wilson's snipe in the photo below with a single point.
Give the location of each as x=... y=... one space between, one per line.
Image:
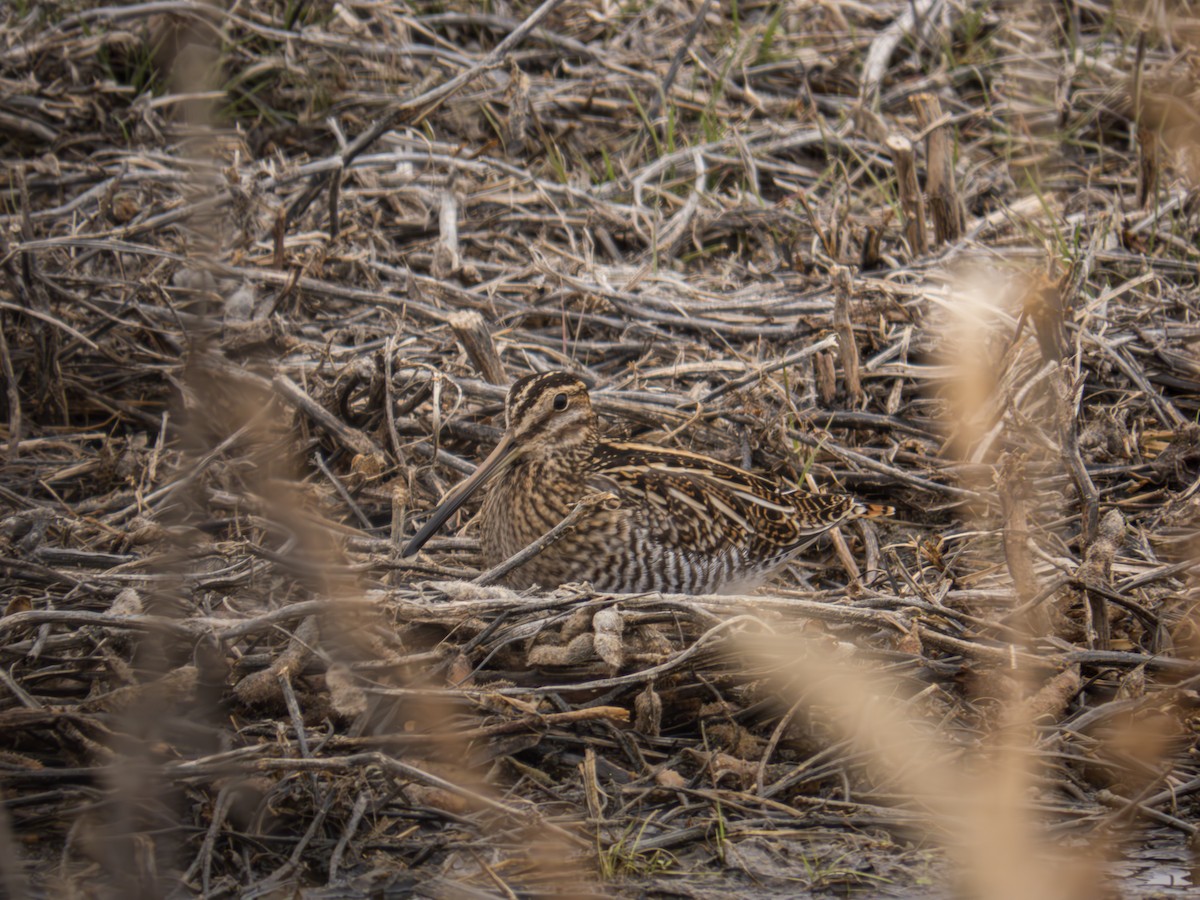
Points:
x=684 y=524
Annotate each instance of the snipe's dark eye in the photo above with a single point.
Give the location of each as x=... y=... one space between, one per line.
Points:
x=560 y=402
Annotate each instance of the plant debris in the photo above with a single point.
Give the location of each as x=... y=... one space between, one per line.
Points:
x=265 y=274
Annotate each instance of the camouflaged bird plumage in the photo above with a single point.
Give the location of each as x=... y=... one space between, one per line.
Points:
x=683 y=523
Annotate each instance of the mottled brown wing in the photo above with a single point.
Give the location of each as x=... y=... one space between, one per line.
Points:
x=709 y=506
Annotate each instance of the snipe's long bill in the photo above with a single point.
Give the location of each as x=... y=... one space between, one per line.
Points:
x=684 y=523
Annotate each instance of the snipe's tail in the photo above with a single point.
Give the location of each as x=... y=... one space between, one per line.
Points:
x=875 y=510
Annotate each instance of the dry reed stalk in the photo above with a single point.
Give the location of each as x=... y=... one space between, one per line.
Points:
x=912 y=204
x=945 y=206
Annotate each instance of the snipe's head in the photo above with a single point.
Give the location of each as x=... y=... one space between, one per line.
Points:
x=549 y=414
x=547 y=417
